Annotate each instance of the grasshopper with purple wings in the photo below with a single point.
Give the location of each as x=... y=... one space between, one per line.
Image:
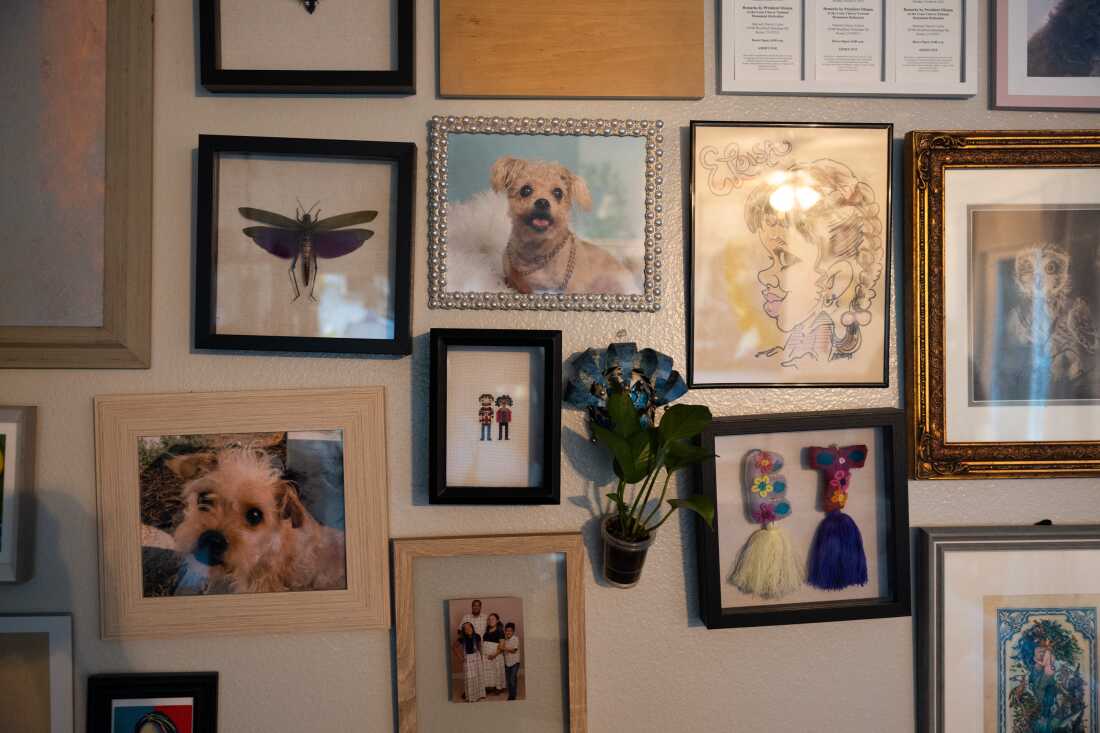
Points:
x=305 y=238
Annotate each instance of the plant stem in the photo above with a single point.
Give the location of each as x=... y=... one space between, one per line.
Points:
x=646 y=491
x=663 y=519
x=660 y=502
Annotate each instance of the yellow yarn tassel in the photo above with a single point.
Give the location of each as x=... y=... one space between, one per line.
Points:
x=767 y=565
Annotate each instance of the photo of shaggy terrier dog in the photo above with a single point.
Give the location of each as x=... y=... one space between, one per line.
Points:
x=543 y=253
x=1068 y=44
x=245 y=529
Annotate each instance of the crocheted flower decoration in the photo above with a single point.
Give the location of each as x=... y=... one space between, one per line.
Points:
x=764 y=514
x=839 y=498
x=840 y=479
x=765 y=464
x=646 y=375
x=762 y=486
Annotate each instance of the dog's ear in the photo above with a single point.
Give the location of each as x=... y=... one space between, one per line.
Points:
x=290 y=506
x=578 y=189
x=504 y=172
x=191 y=465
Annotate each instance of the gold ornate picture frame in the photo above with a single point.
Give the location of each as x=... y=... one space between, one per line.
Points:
x=1002 y=368
x=242 y=512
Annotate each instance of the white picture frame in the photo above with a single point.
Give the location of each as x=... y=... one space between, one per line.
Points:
x=17 y=432
x=788 y=60
x=59 y=628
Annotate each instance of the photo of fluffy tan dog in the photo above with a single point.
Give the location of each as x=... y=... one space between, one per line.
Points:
x=244 y=527
x=543 y=253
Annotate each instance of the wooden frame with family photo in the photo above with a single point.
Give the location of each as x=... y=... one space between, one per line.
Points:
x=17 y=502
x=1007 y=628
x=494 y=429
x=80 y=184
x=545 y=213
x=790 y=255
x=315 y=48
x=36 y=678
x=447 y=590
x=181 y=702
x=780 y=485
x=346 y=291
x=238 y=512
x=1001 y=305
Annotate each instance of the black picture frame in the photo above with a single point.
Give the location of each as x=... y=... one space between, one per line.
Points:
x=549 y=492
x=886 y=282
x=712 y=575
x=202 y=687
x=401 y=80
x=402 y=155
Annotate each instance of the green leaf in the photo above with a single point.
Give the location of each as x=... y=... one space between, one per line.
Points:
x=643 y=446
x=699 y=504
x=680 y=454
x=684 y=421
x=617 y=501
x=623 y=416
x=626 y=466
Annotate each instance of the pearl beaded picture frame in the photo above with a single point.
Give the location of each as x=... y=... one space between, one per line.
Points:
x=545 y=214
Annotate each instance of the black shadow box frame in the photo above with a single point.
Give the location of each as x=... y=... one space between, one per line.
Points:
x=202 y=687
x=402 y=155
x=896 y=602
x=400 y=80
x=549 y=491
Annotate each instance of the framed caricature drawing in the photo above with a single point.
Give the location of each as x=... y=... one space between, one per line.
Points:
x=790 y=255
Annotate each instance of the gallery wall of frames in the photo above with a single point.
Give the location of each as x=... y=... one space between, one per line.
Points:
x=728 y=368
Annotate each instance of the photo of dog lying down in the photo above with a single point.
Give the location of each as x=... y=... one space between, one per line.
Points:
x=246 y=513
x=534 y=215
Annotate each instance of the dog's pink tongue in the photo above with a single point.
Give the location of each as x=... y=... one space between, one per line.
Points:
x=542 y=222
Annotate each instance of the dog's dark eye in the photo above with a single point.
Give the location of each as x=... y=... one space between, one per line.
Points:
x=526 y=191
x=558 y=194
x=254 y=516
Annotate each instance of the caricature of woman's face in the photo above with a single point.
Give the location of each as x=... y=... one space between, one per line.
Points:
x=791 y=291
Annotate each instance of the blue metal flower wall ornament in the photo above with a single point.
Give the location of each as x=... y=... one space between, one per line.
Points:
x=646 y=375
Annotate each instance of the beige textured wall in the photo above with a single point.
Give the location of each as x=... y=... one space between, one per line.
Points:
x=652 y=666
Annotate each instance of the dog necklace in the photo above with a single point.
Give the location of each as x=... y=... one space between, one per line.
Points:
x=542 y=260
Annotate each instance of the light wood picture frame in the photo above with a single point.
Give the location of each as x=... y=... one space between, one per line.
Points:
x=17 y=507
x=122 y=341
x=228 y=598
x=406 y=552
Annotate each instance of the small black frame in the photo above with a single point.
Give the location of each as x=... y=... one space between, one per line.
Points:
x=549 y=492
x=399 y=80
x=403 y=155
x=202 y=687
x=711 y=576
x=887 y=277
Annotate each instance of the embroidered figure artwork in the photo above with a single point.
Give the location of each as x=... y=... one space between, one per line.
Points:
x=767 y=565
x=837 y=558
x=504 y=415
x=485 y=416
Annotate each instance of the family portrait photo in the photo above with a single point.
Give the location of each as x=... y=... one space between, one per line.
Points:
x=494 y=416
x=242 y=513
x=486 y=649
x=1034 y=307
x=790 y=265
x=545 y=214
x=164 y=715
x=1041 y=669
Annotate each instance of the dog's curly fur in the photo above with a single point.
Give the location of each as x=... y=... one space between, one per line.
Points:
x=1069 y=43
x=238 y=502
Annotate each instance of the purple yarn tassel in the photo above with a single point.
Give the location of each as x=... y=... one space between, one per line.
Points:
x=837 y=559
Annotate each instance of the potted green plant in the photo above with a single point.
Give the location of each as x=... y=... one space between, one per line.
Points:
x=622 y=389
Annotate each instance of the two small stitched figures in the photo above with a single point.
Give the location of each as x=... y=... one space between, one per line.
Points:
x=503 y=416
x=767 y=565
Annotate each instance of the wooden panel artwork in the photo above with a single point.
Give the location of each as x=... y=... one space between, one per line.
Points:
x=571 y=48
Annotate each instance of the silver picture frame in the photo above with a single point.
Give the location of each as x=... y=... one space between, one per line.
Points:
x=935 y=545
x=440 y=130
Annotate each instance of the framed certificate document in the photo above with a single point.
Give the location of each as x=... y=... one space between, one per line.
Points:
x=919 y=48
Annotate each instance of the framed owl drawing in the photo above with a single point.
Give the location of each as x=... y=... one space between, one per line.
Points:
x=1002 y=304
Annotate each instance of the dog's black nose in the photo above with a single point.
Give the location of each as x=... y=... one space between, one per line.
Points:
x=211 y=547
x=542 y=204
